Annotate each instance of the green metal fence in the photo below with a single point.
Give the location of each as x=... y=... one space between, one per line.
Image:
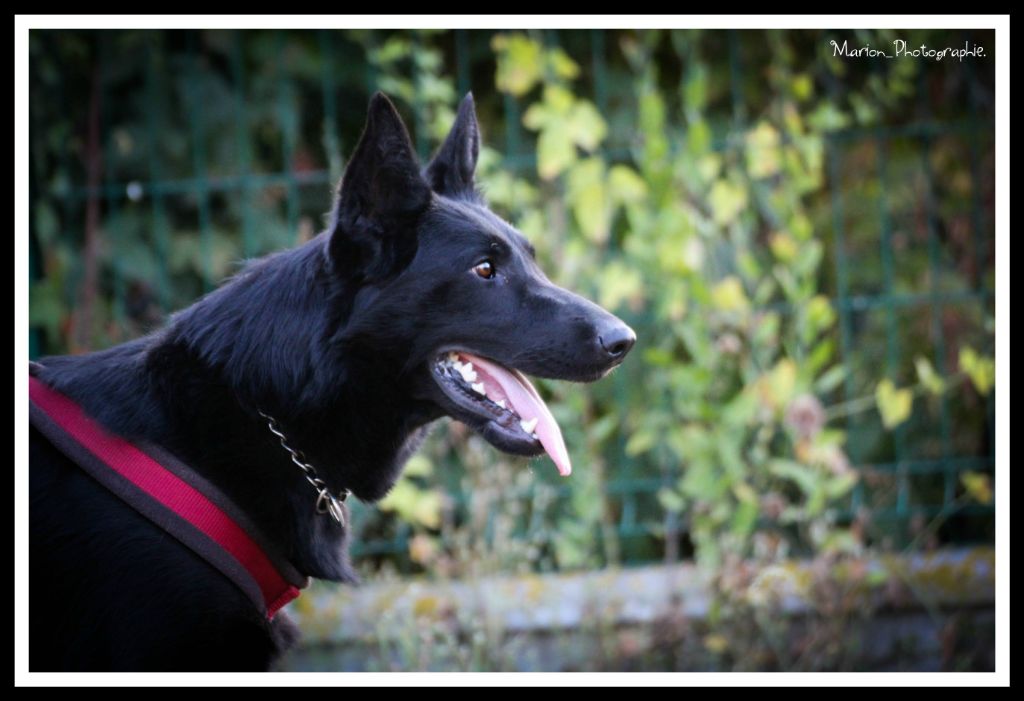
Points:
x=235 y=195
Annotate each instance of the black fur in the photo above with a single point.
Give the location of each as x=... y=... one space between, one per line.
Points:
x=336 y=339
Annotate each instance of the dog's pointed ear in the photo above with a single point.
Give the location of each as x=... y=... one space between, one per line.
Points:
x=382 y=192
x=451 y=170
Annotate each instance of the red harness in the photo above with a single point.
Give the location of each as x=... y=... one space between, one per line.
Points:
x=172 y=495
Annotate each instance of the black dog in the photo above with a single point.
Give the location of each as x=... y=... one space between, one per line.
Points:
x=417 y=302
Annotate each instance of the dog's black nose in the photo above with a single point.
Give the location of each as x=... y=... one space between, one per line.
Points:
x=616 y=339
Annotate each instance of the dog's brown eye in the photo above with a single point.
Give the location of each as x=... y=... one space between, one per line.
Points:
x=485 y=270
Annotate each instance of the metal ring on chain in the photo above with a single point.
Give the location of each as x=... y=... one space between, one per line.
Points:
x=326 y=503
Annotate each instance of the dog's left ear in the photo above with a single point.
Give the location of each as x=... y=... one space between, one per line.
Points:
x=451 y=171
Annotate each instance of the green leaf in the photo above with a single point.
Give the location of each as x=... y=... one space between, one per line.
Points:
x=830 y=380
x=980 y=369
x=586 y=126
x=709 y=166
x=744 y=518
x=748 y=265
x=893 y=404
x=744 y=493
x=841 y=541
x=808 y=257
x=828 y=117
x=728 y=295
x=783 y=247
x=659 y=357
x=620 y=283
x=820 y=315
x=927 y=376
x=591 y=213
x=730 y=457
x=727 y=201
x=625 y=185
x=555 y=152
x=698 y=344
x=536 y=116
x=840 y=485
x=701 y=481
x=604 y=427
x=417 y=506
x=978 y=486
x=559 y=101
x=561 y=65
x=764 y=157
x=800 y=226
x=397 y=86
x=698 y=138
x=670 y=500
x=589 y=198
x=803 y=476
x=865 y=111
x=418 y=465
x=640 y=442
x=520 y=63
x=695 y=88
x=781 y=382
x=802 y=86
x=819 y=356
x=692 y=254
x=740 y=411
x=766 y=330
x=394 y=49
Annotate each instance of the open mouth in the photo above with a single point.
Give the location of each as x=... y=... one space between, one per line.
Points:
x=502 y=405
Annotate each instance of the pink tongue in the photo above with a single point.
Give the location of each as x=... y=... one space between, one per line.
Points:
x=527 y=403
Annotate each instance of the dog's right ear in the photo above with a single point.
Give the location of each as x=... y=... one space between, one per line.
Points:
x=381 y=196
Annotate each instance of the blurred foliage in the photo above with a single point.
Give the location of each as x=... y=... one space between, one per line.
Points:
x=754 y=206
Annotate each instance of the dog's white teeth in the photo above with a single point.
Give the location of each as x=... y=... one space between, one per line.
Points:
x=501 y=403
x=467 y=372
x=528 y=426
x=479 y=388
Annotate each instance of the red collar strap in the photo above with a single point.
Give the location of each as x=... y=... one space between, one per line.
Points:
x=172 y=496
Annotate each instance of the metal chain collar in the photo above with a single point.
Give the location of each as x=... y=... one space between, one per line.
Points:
x=326 y=503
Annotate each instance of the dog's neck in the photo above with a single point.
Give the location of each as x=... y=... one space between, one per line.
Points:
x=221 y=435
x=261 y=342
